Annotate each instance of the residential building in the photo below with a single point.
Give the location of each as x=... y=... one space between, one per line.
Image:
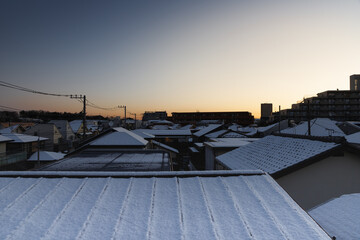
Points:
x=310 y=170
x=153 y=205
x=266 y=110
x=242 y=118
x=355 y=82
x=48 y=131
x=65 y=129
x=158 y=115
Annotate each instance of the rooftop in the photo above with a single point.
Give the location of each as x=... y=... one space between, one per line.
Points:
x=113 y=160
x=340 y=217
x=121 y=137
x=273 y=154
x=22 y=138
x=207 y=130
x=207 y=205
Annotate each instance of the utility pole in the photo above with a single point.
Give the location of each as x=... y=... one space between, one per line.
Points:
x=123 y=106
x=279 y=118
x=308 y=117
x=135 y=117
x=83 y=98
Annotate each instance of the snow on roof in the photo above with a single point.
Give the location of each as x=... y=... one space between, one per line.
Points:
x=121 y=137
x=160 y=127
x=340 y=217
x=4 y=139
x=143 y=134
x=9 y=129
x=165 y=206
x=186 y=127
x=353 y=138
x=113 y=160
x=233 y=135
x=273 y=153
x=47 y=156
x=75 y=125
x=207 y=129
x=23 y=138
x=230 y=142
x=170 y=132
x=216 y=134
x=320 y=127
x=234 y=127
x=165 y=146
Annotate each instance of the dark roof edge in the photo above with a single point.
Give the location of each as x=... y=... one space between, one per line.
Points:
x=79 y=174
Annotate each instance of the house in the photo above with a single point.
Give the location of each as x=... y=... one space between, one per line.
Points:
x=48 y=131
x=311 y=171
x=77 y=127
x=45 y=156
x=120 y=138
x=200 y=135
x=340 y=217
x=218 y=146
x=173 y=152
x=65 y=129
x=168 y=205
x=13 y=129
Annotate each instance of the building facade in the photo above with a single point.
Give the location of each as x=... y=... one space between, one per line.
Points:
x=266 y=110
x=242 y=118
x=355 y=82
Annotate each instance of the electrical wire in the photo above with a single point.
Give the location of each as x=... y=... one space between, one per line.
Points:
x=13 y=86
x=11 y=108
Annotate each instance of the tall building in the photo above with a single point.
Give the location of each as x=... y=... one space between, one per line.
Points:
x=355 y=82
x=162 y=115
x=266 y=110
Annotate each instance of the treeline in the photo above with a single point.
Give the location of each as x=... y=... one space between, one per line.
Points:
x=45 y=116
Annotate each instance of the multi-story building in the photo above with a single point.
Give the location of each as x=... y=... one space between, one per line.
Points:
x=162 y=115
x=355 y=82
x=242 y=118
x=337 y=105
x=266 y=110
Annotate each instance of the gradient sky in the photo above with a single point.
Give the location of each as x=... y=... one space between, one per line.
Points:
x=176 y=55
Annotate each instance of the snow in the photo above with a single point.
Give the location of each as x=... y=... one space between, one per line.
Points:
x=121 y=137
x=22 y=138
x=102 y=160
x=168 y=207
x=273 y=153
x=216 y=134
x=340 y=217
x=9 y=129
x=321 y=127
x=206 y=130
x=170 y=132
x=47 y=156
x=4 y=139
x=165 y=146
x=353 y=138
x=143 y=134
x=230 y=142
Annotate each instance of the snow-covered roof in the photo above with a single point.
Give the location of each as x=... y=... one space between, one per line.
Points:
x=75 y=125
x=160 y=127
x=143 y=134
x=321 y=127
x=113 y=160
x=207 y=130
x=340 y=217
x=165 y=146
x=47 y=156
x=170 y=132
x=9 y=129
x=215 y=205
x=23 y=138
x=216 y=134
x=4 y=139
x=121 y=137
x=232 y=134
x=230 y=142
x=234 y=127
x=353 y=138
x=186 y=127
x=273 y=153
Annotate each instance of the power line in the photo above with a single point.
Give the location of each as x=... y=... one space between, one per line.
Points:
x=13 y=86
x=11 y=108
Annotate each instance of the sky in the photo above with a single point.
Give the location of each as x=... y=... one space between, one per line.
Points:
x=177 y=56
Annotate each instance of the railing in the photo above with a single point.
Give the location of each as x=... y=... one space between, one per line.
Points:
x=7 y=159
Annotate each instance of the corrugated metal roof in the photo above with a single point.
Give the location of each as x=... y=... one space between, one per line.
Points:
x=273 y=153
x=232 y=206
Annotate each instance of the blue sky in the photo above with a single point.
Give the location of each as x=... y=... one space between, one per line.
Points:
x=176 y=55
